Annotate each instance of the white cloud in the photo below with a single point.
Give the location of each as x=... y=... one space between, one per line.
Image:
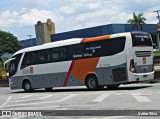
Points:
x=72 y=14
x=66 y=10
x=26 y=18
x=32 y=3
x=94 y=5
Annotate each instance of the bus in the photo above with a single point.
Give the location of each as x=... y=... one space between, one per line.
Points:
x=95 y=62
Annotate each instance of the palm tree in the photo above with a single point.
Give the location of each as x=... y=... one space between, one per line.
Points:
x=138 y=21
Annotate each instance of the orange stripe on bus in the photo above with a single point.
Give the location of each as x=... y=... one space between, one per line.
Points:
x=84 y=66
x=95 y=38
x=80 y=68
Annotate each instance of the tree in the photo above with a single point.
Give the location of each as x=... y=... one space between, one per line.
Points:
x=8 y=43
x=138 y=21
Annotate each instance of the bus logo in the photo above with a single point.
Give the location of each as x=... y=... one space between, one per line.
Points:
x=144 y=60
x=31 y=69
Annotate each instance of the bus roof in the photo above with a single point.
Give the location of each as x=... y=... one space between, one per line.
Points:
x=69 y=42
x=51 y=45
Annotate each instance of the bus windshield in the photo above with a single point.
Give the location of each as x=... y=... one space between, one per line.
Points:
x=141 y=39
x=13 y=66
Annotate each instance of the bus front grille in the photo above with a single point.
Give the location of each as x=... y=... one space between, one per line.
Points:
x=143 y=53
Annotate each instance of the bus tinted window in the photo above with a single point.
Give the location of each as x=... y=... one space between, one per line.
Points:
x=106 y=47
x=75 y=52
x=42 y=56
x=29 y=59
x=58 y=54
x=141 y=39
x=14 y=64
x=99 y=48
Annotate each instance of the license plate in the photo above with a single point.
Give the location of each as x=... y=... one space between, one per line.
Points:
x=144 y=76
x=144 y=67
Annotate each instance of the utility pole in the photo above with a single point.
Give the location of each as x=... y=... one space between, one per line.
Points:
x=30 y=36
x=158 y=28
x=158 y=15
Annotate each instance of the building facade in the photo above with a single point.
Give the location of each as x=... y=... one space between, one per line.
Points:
x=99 y=31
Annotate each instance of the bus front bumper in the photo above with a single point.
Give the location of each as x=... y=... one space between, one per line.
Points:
x=13 y=84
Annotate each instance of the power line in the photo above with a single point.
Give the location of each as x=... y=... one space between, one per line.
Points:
x=157 y=11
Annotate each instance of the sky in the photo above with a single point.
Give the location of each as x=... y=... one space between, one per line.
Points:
x=19 y=16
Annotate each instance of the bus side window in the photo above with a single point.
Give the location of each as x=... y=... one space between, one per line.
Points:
x=43 y=56
x=58 y=54
x=29 y=59
x=75 y=52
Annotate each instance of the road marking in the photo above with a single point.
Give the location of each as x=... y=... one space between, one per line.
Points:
x=67 y=97
x=145 y=94
x=21 y=97
x=47 y=96
x=140 y=98
x=60 y=100
x=117 y=94
x=101 y=98
x=3 y=105
x=33 y=99
x=31 y=108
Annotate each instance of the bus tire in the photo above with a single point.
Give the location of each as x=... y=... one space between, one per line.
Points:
x=113 y=87
x=48 y=89
x=92 y=83
x=27 y=86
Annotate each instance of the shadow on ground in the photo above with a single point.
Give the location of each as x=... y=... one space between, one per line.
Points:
x=85 y=89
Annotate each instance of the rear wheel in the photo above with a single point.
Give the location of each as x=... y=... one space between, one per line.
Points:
x=27 y=86
x=113 y=87
x=92 y=83
x=48 y=89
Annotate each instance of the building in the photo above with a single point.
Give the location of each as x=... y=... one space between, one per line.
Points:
x=98 y=31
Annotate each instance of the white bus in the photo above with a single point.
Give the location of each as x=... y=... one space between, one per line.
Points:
x=108 y=60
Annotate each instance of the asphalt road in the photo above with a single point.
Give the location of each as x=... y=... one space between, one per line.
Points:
x=127 y=97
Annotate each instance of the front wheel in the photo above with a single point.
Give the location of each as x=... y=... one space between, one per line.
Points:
x=27 y=86
x=92 y=83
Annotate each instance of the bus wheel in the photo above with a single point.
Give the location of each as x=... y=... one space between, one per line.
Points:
x=48 y=89
x=27 y=86
x=113 y=87
x=92 y=83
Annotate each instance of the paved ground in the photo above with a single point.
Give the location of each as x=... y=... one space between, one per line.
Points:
x=127 y=97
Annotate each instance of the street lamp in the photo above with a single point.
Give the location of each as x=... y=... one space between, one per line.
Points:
x=30 y=36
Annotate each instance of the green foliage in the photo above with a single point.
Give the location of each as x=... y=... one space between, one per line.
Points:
x=156 y=53
x=1 y=64
x=138 y=21
x=8 y=43
x=2 y=60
